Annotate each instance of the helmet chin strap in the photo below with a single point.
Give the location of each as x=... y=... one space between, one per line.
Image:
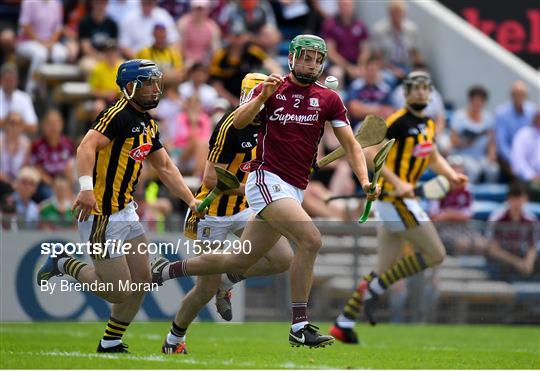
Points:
x=304 y=79
x=146 y=106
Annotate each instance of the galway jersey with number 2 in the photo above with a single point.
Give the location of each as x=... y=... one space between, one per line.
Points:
x=292 y=124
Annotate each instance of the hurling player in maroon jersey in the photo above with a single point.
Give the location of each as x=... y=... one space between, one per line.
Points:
x=293 y=111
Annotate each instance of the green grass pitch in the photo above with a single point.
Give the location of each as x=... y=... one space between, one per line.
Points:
x=264 y=346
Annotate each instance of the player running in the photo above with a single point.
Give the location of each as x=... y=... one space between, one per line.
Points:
x=229 y=148
x=293 y=111
x=402 y=216
x=109 y=161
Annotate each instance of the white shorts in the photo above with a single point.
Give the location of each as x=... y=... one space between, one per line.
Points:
x=121 y=226
x=264 y=187
x=215 y=228
x=401 y=214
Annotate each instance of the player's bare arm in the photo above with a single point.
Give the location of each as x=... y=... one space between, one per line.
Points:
x=173 y=179
x=403 y=189
x=439 y=165
x=85 y=202
x=355 y=157
x=245 y=114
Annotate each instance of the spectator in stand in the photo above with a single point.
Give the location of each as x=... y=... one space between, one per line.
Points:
x=452 y=215
x=254 y=14
x=55 y=212
x=512 y=238
x=136 y=29
x=40 y=30
x=95 y=31
x=15 y=100
x=14 y=147
x=200 y=36
x=509 y=118
x=197 y=85
x=7 y=46
x=102 y=78
x=293 y=17
x=268 y=38
x=346 y=37
x=395 y=40
x=176 y=8
x=119 y=9
x=231 y=63
x=52 y=154
x=166 y=56
x=473 y=137
x=170 y=106
x=74 y=12
x=526 y=157
x=371 y=94
x=26 y=210
x=193 y=130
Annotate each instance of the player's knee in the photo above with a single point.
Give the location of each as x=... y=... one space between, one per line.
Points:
x=436 y=257
x=310 y=242
x=283 y=261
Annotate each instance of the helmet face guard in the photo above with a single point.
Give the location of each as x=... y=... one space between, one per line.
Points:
x=417 y=78
x=145 y=77
x=299 y=57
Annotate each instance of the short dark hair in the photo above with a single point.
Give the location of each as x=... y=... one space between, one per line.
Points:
x=478 y=91
x=197 y=66
x=516 y=189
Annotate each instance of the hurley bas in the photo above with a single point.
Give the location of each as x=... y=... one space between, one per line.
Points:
x=65 y=285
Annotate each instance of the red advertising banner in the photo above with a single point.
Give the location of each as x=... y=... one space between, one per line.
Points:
x=514 y=25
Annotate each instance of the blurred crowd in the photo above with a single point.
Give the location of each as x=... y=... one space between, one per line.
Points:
x=204 y=49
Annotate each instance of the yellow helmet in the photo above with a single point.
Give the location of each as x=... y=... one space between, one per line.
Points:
x=250 y=81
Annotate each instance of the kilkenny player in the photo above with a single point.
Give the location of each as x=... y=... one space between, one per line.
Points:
x=109 y=161
x=229 y=148
x=402 y=216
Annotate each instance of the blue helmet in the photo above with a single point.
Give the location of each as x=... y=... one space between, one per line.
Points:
x=138 y=71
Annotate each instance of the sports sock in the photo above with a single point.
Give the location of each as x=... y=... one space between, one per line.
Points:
x=405 y=267
x=228 y=280
x=71 y=266
x=299 y=316
x=113 y=333
x=174 y=270
x=176 y=334
x=348 y=317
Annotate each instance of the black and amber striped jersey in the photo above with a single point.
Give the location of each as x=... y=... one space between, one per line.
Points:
x=230 y=146
x=134 y=135
x=409 y=156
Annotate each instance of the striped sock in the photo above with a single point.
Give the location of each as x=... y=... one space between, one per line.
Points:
x=176 y=334
x=176 y=269
x=351 y=310
x=113 y=333
x=405 y=267
x=71 y=266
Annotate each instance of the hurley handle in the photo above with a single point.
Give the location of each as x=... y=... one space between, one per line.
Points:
x=207 y=201
x=367 y=209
